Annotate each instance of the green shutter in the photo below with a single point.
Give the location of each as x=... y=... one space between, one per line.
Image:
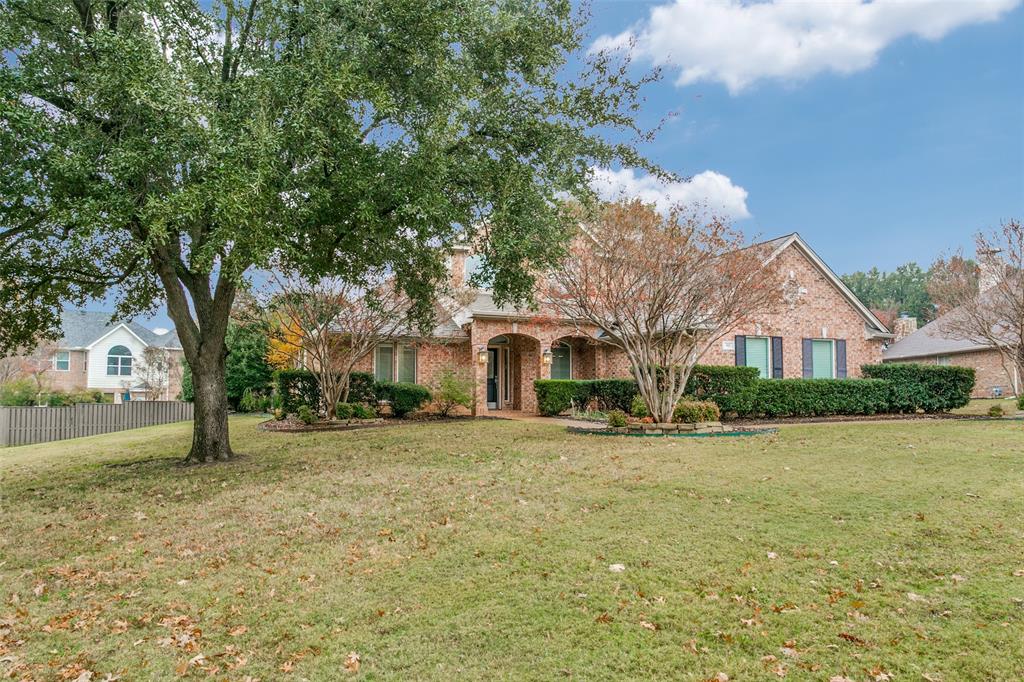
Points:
x=561 y=363
x=757 y=355
x=407 y=363
x=822 y=357
x=384 y=366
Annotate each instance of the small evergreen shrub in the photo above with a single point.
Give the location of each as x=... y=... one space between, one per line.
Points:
x=694 y=411
x=996 y=411
x=362 y=388
x=453 y=390
x=363 y=411
x=616 y=418
x=297 y=387
x=1020 y=403
x=344 y=410
x=306 y=415
x=638 y=408
x=404 y=397
x=555 y=396
x=931 y=388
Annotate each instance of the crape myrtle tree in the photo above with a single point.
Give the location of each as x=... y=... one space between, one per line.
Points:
x=984 y=300
x=161 y=151
x=663 y=289
x=327 y=325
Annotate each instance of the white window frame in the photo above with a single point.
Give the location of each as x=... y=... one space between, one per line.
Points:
x=56 y=360
x=396 y=351
x=120 y=361
x=943 y=360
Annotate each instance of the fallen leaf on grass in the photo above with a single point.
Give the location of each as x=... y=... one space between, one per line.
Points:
x=915 y=597
x=238 y=630
x=603 y=618
x=840 y=678
x=852 y=638
x=617 y=568
x=648 y=625
x=352 y=662
x=773 y=555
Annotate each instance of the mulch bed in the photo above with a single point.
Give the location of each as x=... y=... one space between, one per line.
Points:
x=865 y=418
x=293 y=424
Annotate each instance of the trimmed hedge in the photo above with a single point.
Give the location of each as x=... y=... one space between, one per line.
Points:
x=362 y=388
x=613 y=394
x=297 y=387
x=731 y=388
x=932 y=388
x=555 y=396
x=819 y=397
x=404 y=397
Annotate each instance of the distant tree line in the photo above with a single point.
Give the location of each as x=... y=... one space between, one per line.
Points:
x=904 y=290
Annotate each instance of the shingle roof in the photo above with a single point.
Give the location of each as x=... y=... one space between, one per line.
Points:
x=929 y=340
x=81 y=328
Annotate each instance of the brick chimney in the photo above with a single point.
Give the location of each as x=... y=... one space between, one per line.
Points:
x=990 y=267
x=903 y=326
x=458 y=266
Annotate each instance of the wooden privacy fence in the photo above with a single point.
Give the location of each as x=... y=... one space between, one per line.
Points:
x=25 y=425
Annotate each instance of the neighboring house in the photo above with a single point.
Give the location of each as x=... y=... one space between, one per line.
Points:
x=822 y=331
x=94 y=354
x=933 y=345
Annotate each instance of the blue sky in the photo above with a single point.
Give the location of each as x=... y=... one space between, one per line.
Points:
x=883 y=133
x=895 y=161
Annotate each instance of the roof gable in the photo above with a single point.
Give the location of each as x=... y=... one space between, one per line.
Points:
x=796 y=241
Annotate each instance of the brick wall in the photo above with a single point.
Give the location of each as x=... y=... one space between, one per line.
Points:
x=988 y=368
x=821 y=312
x=72 y=380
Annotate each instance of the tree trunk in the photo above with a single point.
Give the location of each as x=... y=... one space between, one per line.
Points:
x=210 y=426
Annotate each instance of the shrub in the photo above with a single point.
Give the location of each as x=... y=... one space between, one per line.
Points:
x=362 y=411
x=694 y=411
x=731 y=388
x=362 y=388
x=638 y=407
x=249 y=401
x=306 y=414
x=1020 y=403
x=453 y=390
x=344 y=410
x=996 y=411
x=613 y=394
x=932 y=388
x=18 y=393
x=297 y=387
x=820 y=397
x=616 y=418
x=404 y=397
x=555 y=396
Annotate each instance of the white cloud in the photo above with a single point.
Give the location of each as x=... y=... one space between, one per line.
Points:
x=738 y=43
x=710 y=189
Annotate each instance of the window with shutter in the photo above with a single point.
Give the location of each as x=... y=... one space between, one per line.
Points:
x=822 y=356
x=758 y=355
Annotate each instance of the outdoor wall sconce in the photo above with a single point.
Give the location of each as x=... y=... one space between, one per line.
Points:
x=547 y=357
x=481 y=356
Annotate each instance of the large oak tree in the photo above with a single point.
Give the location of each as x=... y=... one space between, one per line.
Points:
x=161 y=150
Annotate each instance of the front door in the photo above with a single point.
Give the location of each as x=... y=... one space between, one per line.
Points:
x=492 y=378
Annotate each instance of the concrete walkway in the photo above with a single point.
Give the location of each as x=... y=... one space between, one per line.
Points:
x=519 y=416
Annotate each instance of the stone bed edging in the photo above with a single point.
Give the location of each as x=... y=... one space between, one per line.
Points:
x=669 y=429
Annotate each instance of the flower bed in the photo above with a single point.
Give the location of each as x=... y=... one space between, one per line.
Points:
x=700 y=429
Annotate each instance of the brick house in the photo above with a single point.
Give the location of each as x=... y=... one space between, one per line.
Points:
x=93 y=354
x=823 y=331
x=933 y=345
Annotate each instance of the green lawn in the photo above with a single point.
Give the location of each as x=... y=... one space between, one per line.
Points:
x=981 y=406
x=481 y=550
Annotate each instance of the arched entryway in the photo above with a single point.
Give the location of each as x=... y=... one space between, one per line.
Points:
x=509 y=364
